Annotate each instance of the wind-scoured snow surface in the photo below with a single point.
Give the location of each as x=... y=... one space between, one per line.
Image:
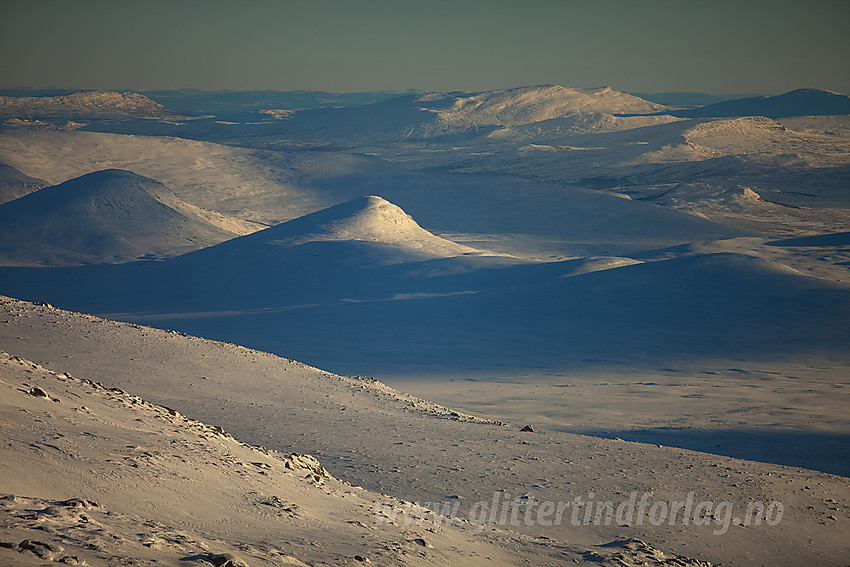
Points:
x=170 y=488
x=127 y=490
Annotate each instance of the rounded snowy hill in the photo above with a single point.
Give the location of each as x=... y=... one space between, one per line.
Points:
x=374 y=230
x=103 y=217
x=369 y=219
x=333 y=254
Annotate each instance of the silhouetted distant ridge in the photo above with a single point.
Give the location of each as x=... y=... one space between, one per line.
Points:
x=690 y=99
x=800 y=102
x=194 y=101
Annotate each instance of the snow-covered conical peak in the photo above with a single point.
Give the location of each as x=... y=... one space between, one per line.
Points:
x=364 y=219
x=372 y=218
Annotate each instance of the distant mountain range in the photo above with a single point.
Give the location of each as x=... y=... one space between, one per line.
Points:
x=83 y=104
x=800 y=102
x=196 y=101
x=193 y=101
x=543 y=114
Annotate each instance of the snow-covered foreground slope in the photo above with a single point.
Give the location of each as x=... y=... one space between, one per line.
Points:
x=143 y=465
x=92 y=475
x=106 y=216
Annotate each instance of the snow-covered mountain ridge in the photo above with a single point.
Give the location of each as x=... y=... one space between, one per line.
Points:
x=525 y=105
x=84 y=104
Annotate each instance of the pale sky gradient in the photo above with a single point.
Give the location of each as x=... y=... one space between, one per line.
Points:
x=349 y=45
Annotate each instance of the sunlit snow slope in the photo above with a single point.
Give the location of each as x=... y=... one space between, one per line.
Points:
x=106 y=216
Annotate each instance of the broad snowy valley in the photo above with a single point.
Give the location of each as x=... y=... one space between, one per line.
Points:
x=402 y=327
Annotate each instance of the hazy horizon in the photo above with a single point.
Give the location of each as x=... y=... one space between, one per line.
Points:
x=59 y=90
x=652 y=47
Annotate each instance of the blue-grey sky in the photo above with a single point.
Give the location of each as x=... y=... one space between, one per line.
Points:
x=743 y=46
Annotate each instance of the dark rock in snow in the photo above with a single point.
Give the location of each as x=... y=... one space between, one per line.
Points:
x=225 y=560
x=38 y=392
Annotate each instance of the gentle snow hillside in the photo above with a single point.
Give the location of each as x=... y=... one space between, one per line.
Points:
x=14 y=184
x=106 y=216
x=145 y=485
x=148 y=467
